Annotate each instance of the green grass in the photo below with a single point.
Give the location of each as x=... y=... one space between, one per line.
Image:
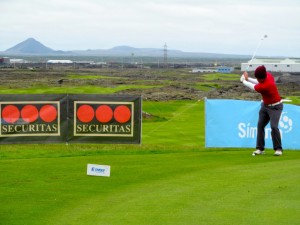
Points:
x=181 y=123
x=150 y=187
x=86 y=77
x=220 y=76
x=40 y=89
x=295 y=100
x=92 y=77
x=169 y=179
x=207 y=86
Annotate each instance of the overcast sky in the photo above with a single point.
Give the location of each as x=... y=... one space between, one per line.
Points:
x=216 y=26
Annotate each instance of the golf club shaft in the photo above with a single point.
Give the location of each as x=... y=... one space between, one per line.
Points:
x=254 y=53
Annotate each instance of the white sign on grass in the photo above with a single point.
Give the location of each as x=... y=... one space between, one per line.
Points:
x=98 y=170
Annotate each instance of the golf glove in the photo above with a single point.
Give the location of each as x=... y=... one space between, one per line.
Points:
x=242 y=78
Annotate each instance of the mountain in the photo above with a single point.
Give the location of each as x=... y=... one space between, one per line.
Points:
x=127 y=51
x=34 y=47
x=30 y=46
x=123 y=51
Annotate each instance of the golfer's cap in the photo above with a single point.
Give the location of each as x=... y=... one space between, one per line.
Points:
x=260 y=72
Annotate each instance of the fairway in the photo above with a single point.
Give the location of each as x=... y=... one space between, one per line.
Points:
x=151 y=187
x=169 y=179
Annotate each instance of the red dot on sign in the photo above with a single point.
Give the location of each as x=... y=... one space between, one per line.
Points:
x=10 y=114
x=104 y=114
x=122 y=114
x=85 y=113
x=29 y=113
x=48 y=113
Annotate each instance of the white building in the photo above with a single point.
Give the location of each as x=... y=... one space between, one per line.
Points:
x=291 y=65
x=18 y=61
x=220 y=69
x=61 y=61
x=204 y=70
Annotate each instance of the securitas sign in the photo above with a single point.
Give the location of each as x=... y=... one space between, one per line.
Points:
x=33 y=118
x=70 y=118
x=107 y=119
x=104 y=118
x=28 y=118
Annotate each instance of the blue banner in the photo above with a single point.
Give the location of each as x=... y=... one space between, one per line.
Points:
x=233 y=123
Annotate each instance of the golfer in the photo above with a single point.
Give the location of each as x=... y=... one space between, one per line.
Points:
x=271 y=108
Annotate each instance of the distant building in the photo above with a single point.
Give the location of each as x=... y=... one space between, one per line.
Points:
x=224 y=69
x=221 y=69
x=4 y=60
x=60 y=61
x=84 y=62
x=16 y=61
x=291 y=65
x=204 y=70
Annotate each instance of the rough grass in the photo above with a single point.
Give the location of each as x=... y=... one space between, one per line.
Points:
x=221 y=76
x=40 y=89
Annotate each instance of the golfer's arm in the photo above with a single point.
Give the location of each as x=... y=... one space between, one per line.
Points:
x=249 y=84
x=253 y=81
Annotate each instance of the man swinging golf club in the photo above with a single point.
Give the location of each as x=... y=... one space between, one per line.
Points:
x=271 y=108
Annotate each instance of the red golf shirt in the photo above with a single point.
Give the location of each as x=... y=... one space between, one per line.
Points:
x=268 y=90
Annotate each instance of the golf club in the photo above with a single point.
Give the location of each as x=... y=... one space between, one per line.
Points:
x=257 y=47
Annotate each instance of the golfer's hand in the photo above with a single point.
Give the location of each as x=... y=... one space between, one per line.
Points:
x=245 y=75
x=242 y=78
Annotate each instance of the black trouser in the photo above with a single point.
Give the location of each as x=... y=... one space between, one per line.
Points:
x=269 y=114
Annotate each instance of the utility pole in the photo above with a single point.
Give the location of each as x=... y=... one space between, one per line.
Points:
x=132 y=58
x=165 y=55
